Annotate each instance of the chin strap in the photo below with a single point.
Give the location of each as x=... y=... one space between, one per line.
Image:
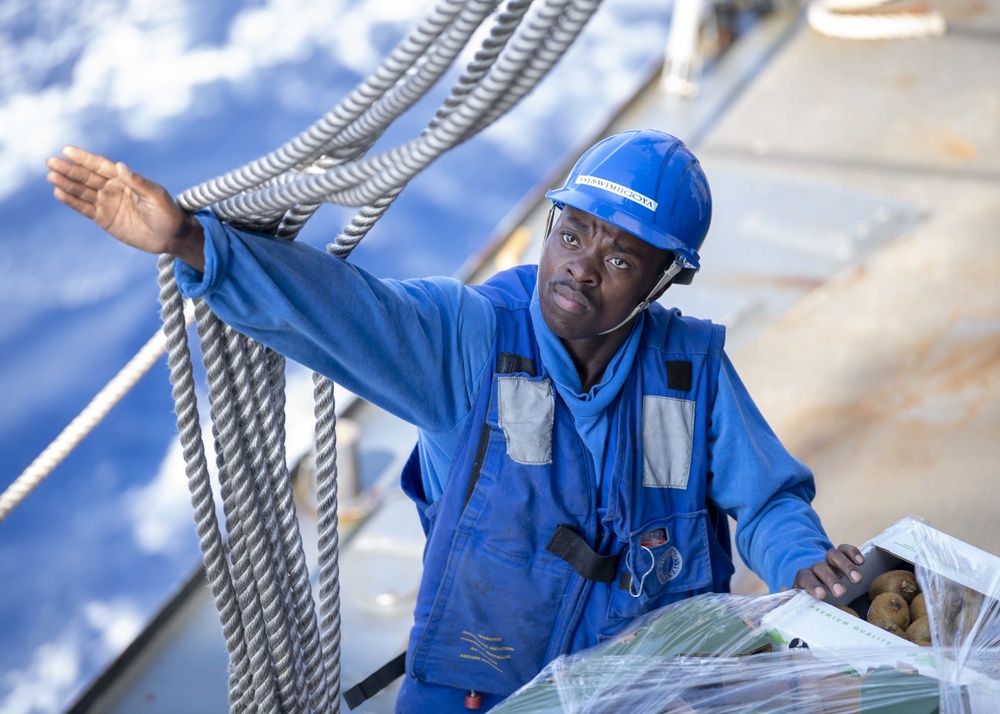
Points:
x=549 y=220
x=669 y=274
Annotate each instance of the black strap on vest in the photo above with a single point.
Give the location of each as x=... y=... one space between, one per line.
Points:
x=375 y=683
x=567 y=544
x=679 y=374
x=477 y=464
x=507 y=363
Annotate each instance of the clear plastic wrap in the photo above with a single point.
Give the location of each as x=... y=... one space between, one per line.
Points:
x=790 y=653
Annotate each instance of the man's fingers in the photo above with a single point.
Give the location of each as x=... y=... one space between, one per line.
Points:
x=829 y=578
x=825 y=576
x=101 y=166
x=852 y=552
x=807 y=580
x=59 y=164
x=135 y=181
x=71 y=187
x=820 y=579
x=842 y=562
x=76 y=172
x=75 y=203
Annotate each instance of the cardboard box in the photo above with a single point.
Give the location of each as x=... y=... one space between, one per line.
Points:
x=911 y=542
x=833 y=634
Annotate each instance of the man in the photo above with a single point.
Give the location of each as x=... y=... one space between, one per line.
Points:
x=580 y=445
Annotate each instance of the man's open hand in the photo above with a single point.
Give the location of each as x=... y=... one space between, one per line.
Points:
x=133 y=209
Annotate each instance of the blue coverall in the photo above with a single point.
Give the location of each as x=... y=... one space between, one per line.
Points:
x=423 y=349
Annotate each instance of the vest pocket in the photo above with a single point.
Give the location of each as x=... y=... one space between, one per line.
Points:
x=525 y=412
x=665 y=560
x=489 y=628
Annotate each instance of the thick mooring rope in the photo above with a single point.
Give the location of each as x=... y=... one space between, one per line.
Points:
x=850 y=20
x=283 y=657
x=84 y=422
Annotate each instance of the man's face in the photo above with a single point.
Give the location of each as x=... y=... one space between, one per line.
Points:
x=592 y=274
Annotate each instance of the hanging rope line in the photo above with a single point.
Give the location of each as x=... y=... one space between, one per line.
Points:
x=284 y=657
x=84 y=422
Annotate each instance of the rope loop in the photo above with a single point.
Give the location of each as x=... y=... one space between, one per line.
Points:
x=840 y=19
x=284 y=655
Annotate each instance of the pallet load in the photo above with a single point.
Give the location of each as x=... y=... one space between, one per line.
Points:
x=791 y=653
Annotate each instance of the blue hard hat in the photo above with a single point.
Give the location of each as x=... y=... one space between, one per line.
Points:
x=649 y=184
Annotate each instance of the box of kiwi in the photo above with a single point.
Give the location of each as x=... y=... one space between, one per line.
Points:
x=925 y=600
x=924 y=586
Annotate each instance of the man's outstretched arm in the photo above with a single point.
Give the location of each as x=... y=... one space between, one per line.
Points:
x=138 y=212
x=769 y=493
x=417 y=348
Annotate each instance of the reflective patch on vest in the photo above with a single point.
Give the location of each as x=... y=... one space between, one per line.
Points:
x=667 y=437
x=668 y=565
x=526 y=412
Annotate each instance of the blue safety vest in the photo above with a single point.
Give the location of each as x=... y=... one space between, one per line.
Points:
x=517 y=568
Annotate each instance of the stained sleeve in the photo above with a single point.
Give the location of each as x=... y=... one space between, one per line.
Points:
x=416 y=348
x=760 y=484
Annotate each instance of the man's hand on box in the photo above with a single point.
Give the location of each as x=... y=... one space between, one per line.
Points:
x=825 y=576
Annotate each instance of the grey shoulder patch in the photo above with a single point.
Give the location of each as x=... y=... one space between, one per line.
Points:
x=526 y=412
x=667 y=438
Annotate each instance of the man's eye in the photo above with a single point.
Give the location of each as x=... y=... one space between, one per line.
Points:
x=569 y=238
x=619 y=263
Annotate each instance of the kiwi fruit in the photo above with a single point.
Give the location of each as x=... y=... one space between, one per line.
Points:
x=918 y=608
x=892 y=607
x=951 y=600
x=972 y=602
x=848 y=610
x=919 y=630
x=964 y=621
x=901 y=582
x=889 y=626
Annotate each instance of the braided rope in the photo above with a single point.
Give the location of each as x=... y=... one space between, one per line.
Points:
x=282 y=657
x=269 y=572
x=92 y=415
x=303 y=147
x=313 y=688
x=833 y=19
x=207 y=525
x=243 y=524
x=329 y=537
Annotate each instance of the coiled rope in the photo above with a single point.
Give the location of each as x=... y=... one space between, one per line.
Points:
x=841 y=19
x=283 y=657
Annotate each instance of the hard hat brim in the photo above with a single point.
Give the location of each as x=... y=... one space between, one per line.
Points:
x=609 y=212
